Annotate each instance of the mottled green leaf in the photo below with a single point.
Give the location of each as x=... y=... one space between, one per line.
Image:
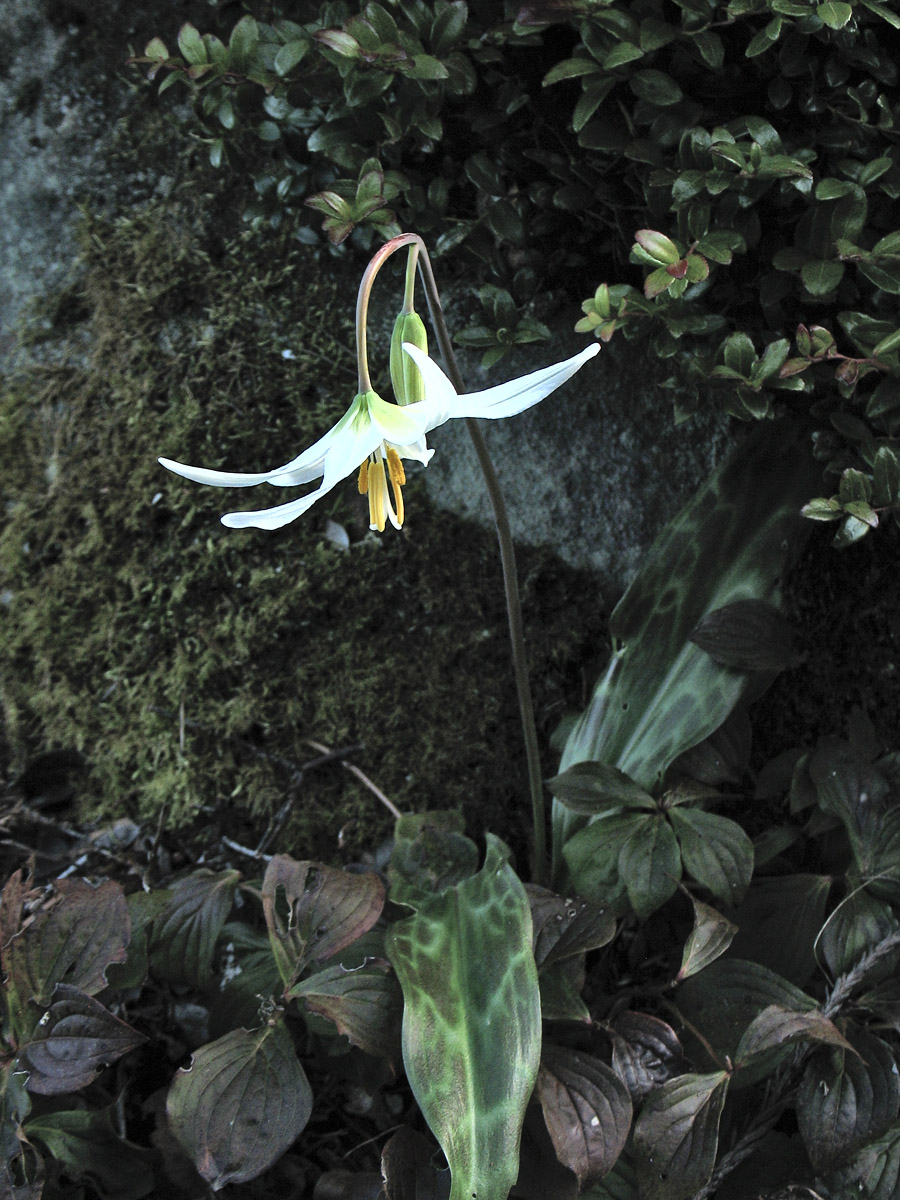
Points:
x=677 y=1134
x=472 y=1021
x=847 y=1098
x=240 y=1104
x=587 y=1109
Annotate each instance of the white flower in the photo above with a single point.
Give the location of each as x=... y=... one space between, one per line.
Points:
x=373 y=437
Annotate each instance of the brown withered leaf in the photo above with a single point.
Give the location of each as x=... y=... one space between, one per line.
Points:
x=747 y=635
x=322 y=911
x=587 y=1109
x=73 y=1041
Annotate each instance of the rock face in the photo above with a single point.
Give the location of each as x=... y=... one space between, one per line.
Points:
x=593 y=472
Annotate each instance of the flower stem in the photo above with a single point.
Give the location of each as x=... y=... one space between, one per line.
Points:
x=501 y=519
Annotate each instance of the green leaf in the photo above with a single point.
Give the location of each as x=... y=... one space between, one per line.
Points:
x=858 y=923
x=472 y=1021
x=725 y=998
x=593 y=787
x=587 y=1109
x=661 y=694
x=86 y=1145
x=886 y=477
x=656 y=87
x=779 y=920
x=313 y=911
x=747 y=635
x=191 y=45
x=823 y=509
x=624 y=53
x=847 y=1098
x=650 y=865
x=765 y=38
x=834 y=13
x=242 y=44
x=566 y=928
x=570 y=68
x=288 y=56
x=185 y=933
x=677 y=1134
x=715 y=851
x=874 y=1173
x=821 y=277
x=241 y=1103
x=711 y=936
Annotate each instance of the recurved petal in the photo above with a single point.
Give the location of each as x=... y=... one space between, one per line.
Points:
x=343 y=458
x=216 y=478
x=507 y=399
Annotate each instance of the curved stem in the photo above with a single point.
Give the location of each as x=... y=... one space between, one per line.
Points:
x=498 y=506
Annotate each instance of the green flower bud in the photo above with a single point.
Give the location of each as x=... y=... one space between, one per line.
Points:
x=405 y=377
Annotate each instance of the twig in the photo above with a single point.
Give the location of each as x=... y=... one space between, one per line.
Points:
x=363 y=778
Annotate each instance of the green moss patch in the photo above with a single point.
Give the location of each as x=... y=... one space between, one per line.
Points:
x=190 y=663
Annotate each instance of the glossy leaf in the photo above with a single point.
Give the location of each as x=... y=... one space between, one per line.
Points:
x=711 y=936
x=185 y=933
x=471 y=1021
x=650 y=864
x=847 y=1099
x=313 y=911
x=74 y=1040
x=240 y=1104
x=677 y=1134
x=564 y=927
x=715 y=851
x=594 y=787
x=587 y=1109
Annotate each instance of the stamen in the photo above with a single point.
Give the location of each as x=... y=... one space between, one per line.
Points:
x=395 y=466
x=377 y=495
x=363 y=482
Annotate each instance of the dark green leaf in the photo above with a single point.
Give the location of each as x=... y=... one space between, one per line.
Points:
x=858 y=923
x=563 y=928
x=646 y=1052
x=715 y=851
x=587 y=1109
x=747 y=635
x=847 y=1098
x=677 y=1134
x=650 y=865
x=777 y=1026
x=185 y=933
x=656 y=87
x=86 y=1145
x=821 y=277
x=594 y=787
x=241 y=1103
x=874 y=1172
x=363 y=1002
x=779 y=921
x=409 y=1171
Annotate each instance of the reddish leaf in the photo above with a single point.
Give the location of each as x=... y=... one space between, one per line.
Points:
x=778 y=1026
x=677 y=1134
x=587 y=1109
x=322 y=911
x=239 y=1106
x=711 y=936
x=365 y=1003
x=74 y=1040
x=646 y=1052
x=73 y=937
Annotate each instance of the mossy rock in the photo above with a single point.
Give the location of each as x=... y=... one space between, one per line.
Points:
x=191 y=664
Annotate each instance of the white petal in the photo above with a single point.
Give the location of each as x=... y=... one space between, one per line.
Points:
x=439 y=391
x=417 y=450
x=216 y=478
x=343 y=458
x=507 y=399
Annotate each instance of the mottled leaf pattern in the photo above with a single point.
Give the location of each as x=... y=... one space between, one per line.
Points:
x=471 y=1021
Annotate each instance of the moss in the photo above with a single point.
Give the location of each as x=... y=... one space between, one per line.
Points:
x=190 y=663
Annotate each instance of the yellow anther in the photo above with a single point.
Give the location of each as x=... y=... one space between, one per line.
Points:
x=395 y=467
x=377 y=495
x=363 y=482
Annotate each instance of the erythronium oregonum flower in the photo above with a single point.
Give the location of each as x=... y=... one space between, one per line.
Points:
x=374 y=436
